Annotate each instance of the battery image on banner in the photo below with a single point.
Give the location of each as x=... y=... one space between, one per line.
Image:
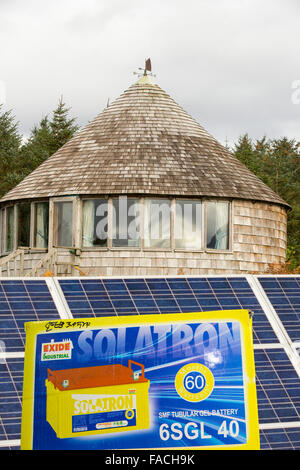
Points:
x=97 y=400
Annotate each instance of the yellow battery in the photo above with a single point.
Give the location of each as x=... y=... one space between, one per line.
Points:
x=97 y=400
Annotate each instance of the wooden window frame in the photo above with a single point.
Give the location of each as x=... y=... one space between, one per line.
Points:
x=52 y=232
x=230 y=226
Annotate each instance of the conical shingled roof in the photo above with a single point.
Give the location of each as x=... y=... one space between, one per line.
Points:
x=143 y=143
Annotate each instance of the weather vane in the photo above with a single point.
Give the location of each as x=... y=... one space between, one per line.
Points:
x=147 y=70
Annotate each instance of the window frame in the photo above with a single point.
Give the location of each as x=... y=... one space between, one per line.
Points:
x=153 y=248
x=93 y=248
x=14 y=238
x=52 y=239
x=190 y=250
x=141 y=214
x=33 y=224
x=230 y=226
x=16 y=228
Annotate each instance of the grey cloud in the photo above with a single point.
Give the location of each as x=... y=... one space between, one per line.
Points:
x=229 y=64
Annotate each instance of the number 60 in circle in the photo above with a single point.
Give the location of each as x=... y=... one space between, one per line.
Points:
x=194 y=382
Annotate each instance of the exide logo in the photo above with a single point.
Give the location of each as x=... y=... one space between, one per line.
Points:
x=57 y=350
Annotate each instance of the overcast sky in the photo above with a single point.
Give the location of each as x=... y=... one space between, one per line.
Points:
x=230 y=63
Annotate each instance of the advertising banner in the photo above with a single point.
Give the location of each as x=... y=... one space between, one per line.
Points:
x=141 y=382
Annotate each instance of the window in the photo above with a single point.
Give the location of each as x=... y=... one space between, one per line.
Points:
x=95 y=222
x=157 y=223
x=63 y=223
x=23 y=225
x=41 y=226
x=217 y=225
x=126 y=222
x=2 y=230
x=9 y=241
x=187 y=228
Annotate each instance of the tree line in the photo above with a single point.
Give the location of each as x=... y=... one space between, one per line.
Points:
x=275 y=161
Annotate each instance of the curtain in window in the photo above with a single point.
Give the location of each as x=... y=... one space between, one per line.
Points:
x=222 y=223
x=41 y=224
x=217 y=225
x=88 y=223
x=64 y=222
x=187 y=229
x=157 y=223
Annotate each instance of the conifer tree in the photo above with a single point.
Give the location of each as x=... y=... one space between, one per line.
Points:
x=10 y=142
x=277 y=163
x=46 y=138
x=62 y=127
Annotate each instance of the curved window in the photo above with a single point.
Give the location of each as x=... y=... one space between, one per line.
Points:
x=157 y=228
x=217 y=225
x=118 y=223
x=24 y=224
x=126 y=222
x=188 y=224
x=95 y=223
x=9 y=240
x=63 y=223
x=41 y=224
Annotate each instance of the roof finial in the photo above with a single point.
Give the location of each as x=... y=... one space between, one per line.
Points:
x=147 y=70
x=148 y=67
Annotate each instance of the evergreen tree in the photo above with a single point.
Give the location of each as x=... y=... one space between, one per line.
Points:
x=243 y=150
x=46 y=138
x=37 y=148
x=62 y=127
x=10 y=142
x=277 y=163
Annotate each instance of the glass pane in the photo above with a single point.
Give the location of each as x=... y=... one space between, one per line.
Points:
x=23 y=225
x=157 y=223
x=2 y=215
x=41 y=225
x=126 y=222
x=94 y=222
x=9 y=228
x=64 y=223
x=217 y=225
x=187 y=230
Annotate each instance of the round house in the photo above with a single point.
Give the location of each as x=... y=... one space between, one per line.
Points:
x=143 y=189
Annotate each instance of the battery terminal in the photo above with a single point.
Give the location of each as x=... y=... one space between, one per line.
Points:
x=136 y=375
x=65 y=383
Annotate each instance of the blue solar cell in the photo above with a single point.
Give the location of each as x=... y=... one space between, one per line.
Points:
x=11 y=380
x=284 y=295
x=280 y=439
x=278 y=387
x=22 y=301
x=165 y=295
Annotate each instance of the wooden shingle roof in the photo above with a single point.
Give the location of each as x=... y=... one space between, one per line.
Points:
x=143 y=143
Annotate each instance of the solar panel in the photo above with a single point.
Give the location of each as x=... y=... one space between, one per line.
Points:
x=102 y=297
x=277 y=376
x=284 y=295
x=22 y=301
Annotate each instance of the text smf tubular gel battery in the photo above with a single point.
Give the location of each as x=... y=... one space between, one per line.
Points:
x=97 y=400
